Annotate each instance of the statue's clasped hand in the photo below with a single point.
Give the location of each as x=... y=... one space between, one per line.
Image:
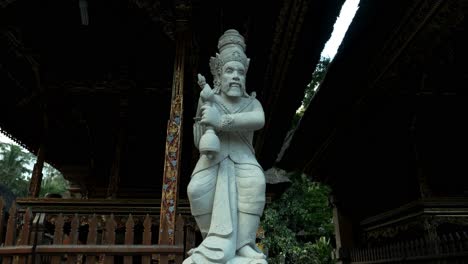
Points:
x=210 y=116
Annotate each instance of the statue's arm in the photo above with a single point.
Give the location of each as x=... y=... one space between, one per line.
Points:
x=197 y=126
x=246 y=121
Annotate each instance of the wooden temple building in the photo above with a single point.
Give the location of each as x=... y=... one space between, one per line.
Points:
x=105 y=91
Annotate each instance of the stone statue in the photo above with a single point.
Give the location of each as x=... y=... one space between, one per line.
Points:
x=227 y=188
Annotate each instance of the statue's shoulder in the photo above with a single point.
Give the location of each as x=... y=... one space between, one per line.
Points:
x=255 y=103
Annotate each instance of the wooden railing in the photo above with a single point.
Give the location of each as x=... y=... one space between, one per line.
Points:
x=450 y=248
x=38 y=238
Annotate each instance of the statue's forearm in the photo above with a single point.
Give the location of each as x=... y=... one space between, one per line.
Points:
x=248 y=121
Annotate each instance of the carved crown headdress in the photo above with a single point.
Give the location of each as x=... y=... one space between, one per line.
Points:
x=231 y=47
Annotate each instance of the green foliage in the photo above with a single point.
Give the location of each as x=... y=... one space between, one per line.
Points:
x=311 y=89
x=52 y=182
x=298 y=226
x=15 y=168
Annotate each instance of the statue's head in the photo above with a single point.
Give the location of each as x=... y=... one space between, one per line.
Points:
x=229 y=67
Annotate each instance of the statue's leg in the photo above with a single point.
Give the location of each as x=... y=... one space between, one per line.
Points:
x=251 y=201
x=200 y=192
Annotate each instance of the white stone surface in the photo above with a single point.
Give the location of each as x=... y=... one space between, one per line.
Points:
x=227 y=188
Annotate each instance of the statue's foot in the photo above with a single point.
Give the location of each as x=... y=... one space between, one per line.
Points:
x=248 y=252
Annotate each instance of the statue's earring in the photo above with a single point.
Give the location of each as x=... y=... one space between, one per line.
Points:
x=217 y=86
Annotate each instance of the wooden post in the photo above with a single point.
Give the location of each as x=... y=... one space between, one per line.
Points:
x=2 y=203
x=174 y=138
x=343 y=232
x=36 y=178
x=114 y=178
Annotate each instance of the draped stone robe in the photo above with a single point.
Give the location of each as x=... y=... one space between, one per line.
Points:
x=220 y=194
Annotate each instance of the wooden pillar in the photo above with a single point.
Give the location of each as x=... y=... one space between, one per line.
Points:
x=114 y=178
x=172 y=162
x=343 y=233
x=36 y=178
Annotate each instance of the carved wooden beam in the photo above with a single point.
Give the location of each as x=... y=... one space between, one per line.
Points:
x=169 y=194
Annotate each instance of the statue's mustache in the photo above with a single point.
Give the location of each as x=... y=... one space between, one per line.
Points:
x=235 y=83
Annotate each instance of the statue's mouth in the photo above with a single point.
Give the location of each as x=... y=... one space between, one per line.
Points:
x=234 y=84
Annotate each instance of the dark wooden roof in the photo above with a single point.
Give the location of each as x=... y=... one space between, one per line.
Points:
x=389 y=116
x=110 y=81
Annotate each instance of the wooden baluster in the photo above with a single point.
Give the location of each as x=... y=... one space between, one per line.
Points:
x=444 y=244
x=458 y=242
x=380 y=253
x=129 y=236
x=408 y=251
x=422 y=247
x=163 y=240
x=147 y=237
x=73 y=237
x=11 y=231
x=37 y=235
x=387 y=251
x=417 y=248
x=189 y=235
x=401 y=249
x=410 y=245
x=2 y=204
x=451 y=244
x=92 y=238
x=179 y=237
x=437 y=248
x=392 y=251
x=58 y=237
x=464 y=236
x=397 y=251
x=25 y=231
x=109 y=238
x=11 y=226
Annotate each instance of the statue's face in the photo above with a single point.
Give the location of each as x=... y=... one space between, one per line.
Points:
x=233 y=79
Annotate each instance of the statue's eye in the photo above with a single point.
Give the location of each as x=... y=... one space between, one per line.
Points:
x=229 y=70
x=241 y=72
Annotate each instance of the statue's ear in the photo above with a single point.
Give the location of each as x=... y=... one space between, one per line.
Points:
x=247 y=66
